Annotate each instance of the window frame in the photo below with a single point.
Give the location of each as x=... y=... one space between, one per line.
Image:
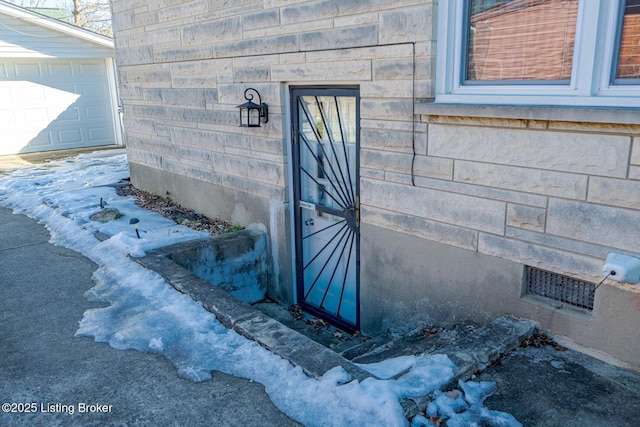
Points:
x=592 y=72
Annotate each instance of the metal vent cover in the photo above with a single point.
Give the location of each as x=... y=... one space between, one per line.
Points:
x=557 y=287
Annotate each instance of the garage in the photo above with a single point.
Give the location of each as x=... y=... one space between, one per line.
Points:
x=57 y=85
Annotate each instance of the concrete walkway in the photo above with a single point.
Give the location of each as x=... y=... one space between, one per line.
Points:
x=13 y=161
x=551 y=388
x=41 y=362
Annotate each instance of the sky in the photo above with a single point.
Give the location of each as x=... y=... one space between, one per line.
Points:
x=63 y=4
x=144 y=313
x=47 y=3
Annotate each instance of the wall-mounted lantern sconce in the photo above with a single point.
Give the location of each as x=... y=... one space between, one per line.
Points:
x=252 y=114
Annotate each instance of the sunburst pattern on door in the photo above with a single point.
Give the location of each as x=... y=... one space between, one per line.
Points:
x=326 y=140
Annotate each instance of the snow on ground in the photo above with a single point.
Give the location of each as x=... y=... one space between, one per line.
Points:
x=143 y=312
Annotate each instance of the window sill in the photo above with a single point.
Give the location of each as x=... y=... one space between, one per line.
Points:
x=624 y=116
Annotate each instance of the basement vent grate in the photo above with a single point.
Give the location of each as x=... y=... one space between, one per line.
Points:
x=557 y=287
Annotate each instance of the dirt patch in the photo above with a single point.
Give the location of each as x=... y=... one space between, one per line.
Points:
x=178 y=214
x=540 y=340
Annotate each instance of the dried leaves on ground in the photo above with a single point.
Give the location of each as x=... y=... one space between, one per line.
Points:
x=296 y=312
x=540 y=340
x=317 y=324
x=436 y=421
x=428 y=331
x=173 y=211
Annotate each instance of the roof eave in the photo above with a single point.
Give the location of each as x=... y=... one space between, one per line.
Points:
x=55 y=25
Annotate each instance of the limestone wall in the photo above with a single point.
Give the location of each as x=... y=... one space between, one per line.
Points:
x=184 y=65
x=551 y=194
x=558 y=193
x=554 y=195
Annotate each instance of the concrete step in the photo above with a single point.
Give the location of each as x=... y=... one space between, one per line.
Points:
x=470 y=348
x=353 y=349
x=429 y=340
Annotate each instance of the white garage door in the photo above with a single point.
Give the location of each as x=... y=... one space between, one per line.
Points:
x=54 y=104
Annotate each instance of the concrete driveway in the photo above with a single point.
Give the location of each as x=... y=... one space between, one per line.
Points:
x=49 y=377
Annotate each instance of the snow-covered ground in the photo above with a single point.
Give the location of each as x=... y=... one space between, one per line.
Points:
x=143 y=312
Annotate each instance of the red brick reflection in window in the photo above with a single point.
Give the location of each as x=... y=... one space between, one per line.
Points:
x=629 y=59
x=522 y=40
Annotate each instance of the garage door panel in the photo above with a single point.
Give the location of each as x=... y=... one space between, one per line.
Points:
x=63 y=93
x=67 y=137
x=7 y=117
x=69 y=115
x=37 y=116
x=92 y=92
x=60 y=70
x=99 y=134
x=95 y=111
x=42 y=140
x=29 y=71
x=55 y=104
x=28 y=96
x=6 y=101
x=91 y=71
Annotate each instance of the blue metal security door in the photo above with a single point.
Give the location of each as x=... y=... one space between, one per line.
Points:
x=326 y=136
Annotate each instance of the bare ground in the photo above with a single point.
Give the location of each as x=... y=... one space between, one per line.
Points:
x=173 y=211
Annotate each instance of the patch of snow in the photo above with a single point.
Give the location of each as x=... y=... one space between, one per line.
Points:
x=465 y=408
x=144 y=313
x=447 y=404
x=390 y=367
x=421 y=421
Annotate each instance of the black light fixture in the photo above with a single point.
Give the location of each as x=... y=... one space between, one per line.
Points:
x=252 y=114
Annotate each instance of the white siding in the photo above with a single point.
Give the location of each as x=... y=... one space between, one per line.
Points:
x=22 y=39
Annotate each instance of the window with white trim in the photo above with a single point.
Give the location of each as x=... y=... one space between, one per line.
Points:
x=539 y=52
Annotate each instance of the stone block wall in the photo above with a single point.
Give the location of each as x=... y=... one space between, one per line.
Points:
x=183 y=67
x=489 y=196
x=554 y=194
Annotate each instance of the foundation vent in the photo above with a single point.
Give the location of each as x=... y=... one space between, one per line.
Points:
x=557 y=287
